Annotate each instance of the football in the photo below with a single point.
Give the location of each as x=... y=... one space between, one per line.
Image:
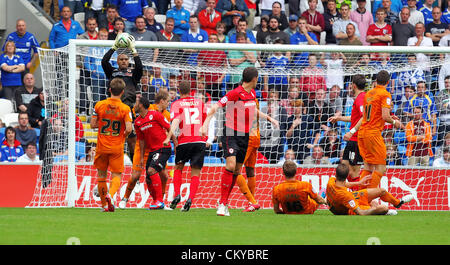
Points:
x=123 y=40
x=95 y=191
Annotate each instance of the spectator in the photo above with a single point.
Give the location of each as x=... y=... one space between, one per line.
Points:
x=213 y=59
x=142 y=34
x=321 y=112
x=273 y=33
x=301 y=127
x=111 y=14
x=293 y=25
x=302 y=37
x=11 y=148
x=278 y=12
x=334 y=66
x=334 y=100
x=391 y=16
x=418 y=135
x=119 y=27
x=317 y=157
x=26 y=44
x=330 y=16
x=383 y=62
x=380 y=33
x=240 y=60
x=241 y=27
x=436 y=29
x=47 y=8
x=157 y=80
x=331 y=145
x=221 y=28
x=402 y=30
x=415 y=16
x=271 y=136
x=209 y=17
x=293 y=94
x=408 y=78
x=75 y=5
x=251 y=5
x=30 y=155
x=194 y=34
x=90 y=151
x=351 y=38
x=427 y=10
x=304 y=5
x=267 y=6
x=405 y=117
x=11 y=66
x=26 y=93
x=340 y=3
x=145 y=90
x=392 y=156
x=421 y=40
x=289 y=155
x=91 y=30
x=24 y=132
x=94 y=65
x=443 y=161
x=64 y=30
x=421 y=98
x=446 y=14
x=362 y=66
x=229 y=8
x=277 y=64
x=363 y=19
x=180 y=16
x=130 y=10
x=314 y=19
x=340 y=26
x=165 y=55
x=36 y=110
x=395 y=6
x=97 y=10
x=57 y=140
x=61 y=116
x=151 y=24
x=312 y=78
x=443 y=107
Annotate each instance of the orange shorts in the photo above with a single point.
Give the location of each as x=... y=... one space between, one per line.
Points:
x=362 y=197
x=372 y=149
x=137 y=158
x=250 y=156
x=113 y=161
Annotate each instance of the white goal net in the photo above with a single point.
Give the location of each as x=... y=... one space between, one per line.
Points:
x=299 y=86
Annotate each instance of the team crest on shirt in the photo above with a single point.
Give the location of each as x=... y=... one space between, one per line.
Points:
x=230 y=150
x=388 y=101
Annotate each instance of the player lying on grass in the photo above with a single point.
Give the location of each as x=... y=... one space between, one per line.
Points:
x=294 y=196
x=343 y=202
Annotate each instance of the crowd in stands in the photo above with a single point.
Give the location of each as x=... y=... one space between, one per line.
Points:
x=302 y=103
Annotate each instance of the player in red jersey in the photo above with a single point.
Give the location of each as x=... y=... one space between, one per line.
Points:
x=240 y=113
x=351 y=157
x=151 y=131
x=187 y=114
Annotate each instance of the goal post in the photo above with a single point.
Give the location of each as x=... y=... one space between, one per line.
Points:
x=73 y=83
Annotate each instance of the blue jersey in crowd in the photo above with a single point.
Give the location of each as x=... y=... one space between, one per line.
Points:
x=178 y=16
x=199 y=36
x=130 y=9
x=11 y=79
x=59 y=36
x=300 y=38
x=10 y=154
x=278 y=65
x=427 y=14
x=24 y=45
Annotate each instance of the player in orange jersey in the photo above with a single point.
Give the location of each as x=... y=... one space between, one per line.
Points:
x=161 y=104
x=343 y=202
x=377 y=109
x=114 y=120
x=294 y=196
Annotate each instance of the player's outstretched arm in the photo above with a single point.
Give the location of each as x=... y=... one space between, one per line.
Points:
x=267 y=117
x=350 y=133
x=170 y=134
x=204 y=129
x=320 y=200
x=128 y=128
x=337 y=118
x=364 y=182
x=386 y=115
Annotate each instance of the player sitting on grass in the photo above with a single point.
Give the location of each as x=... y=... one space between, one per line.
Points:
x=343 y=202
x=294 y=196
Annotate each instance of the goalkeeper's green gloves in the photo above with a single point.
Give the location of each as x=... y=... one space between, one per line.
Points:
x=115 y=45
x=132 y=44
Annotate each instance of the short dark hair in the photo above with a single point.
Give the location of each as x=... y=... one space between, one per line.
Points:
x=289 y=169
x=184 y=87
x=162 y=94
x=117 y=85
x=140 y=16
x=32 y=143
x=360 y=81
x=118 y=19
x=10 y=128
x=112 y=6
x=342 y=172
x=249 y=73
x=383 y=77
x=144 y=102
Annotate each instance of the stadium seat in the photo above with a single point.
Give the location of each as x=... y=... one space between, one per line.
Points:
x=400 y=137
x=256 y=21
x=80 y=150
x=212 y=160
x=80 y=18
x=160 y=18
x=6 y=106
x=334 y=160
x=2 y=134
x=10 y=119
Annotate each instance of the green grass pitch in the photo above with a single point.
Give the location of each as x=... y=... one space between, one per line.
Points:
x=20 y=226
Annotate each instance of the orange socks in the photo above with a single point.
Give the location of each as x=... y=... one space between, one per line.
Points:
x=130 y=187
x=251 y=183
x=102 y=190
x=387 y=197
x=243 y=187
x=115 y=185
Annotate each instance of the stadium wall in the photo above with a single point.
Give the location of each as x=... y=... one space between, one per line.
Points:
x=430 y=187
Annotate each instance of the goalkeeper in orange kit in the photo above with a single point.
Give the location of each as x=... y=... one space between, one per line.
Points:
x=114 y=120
